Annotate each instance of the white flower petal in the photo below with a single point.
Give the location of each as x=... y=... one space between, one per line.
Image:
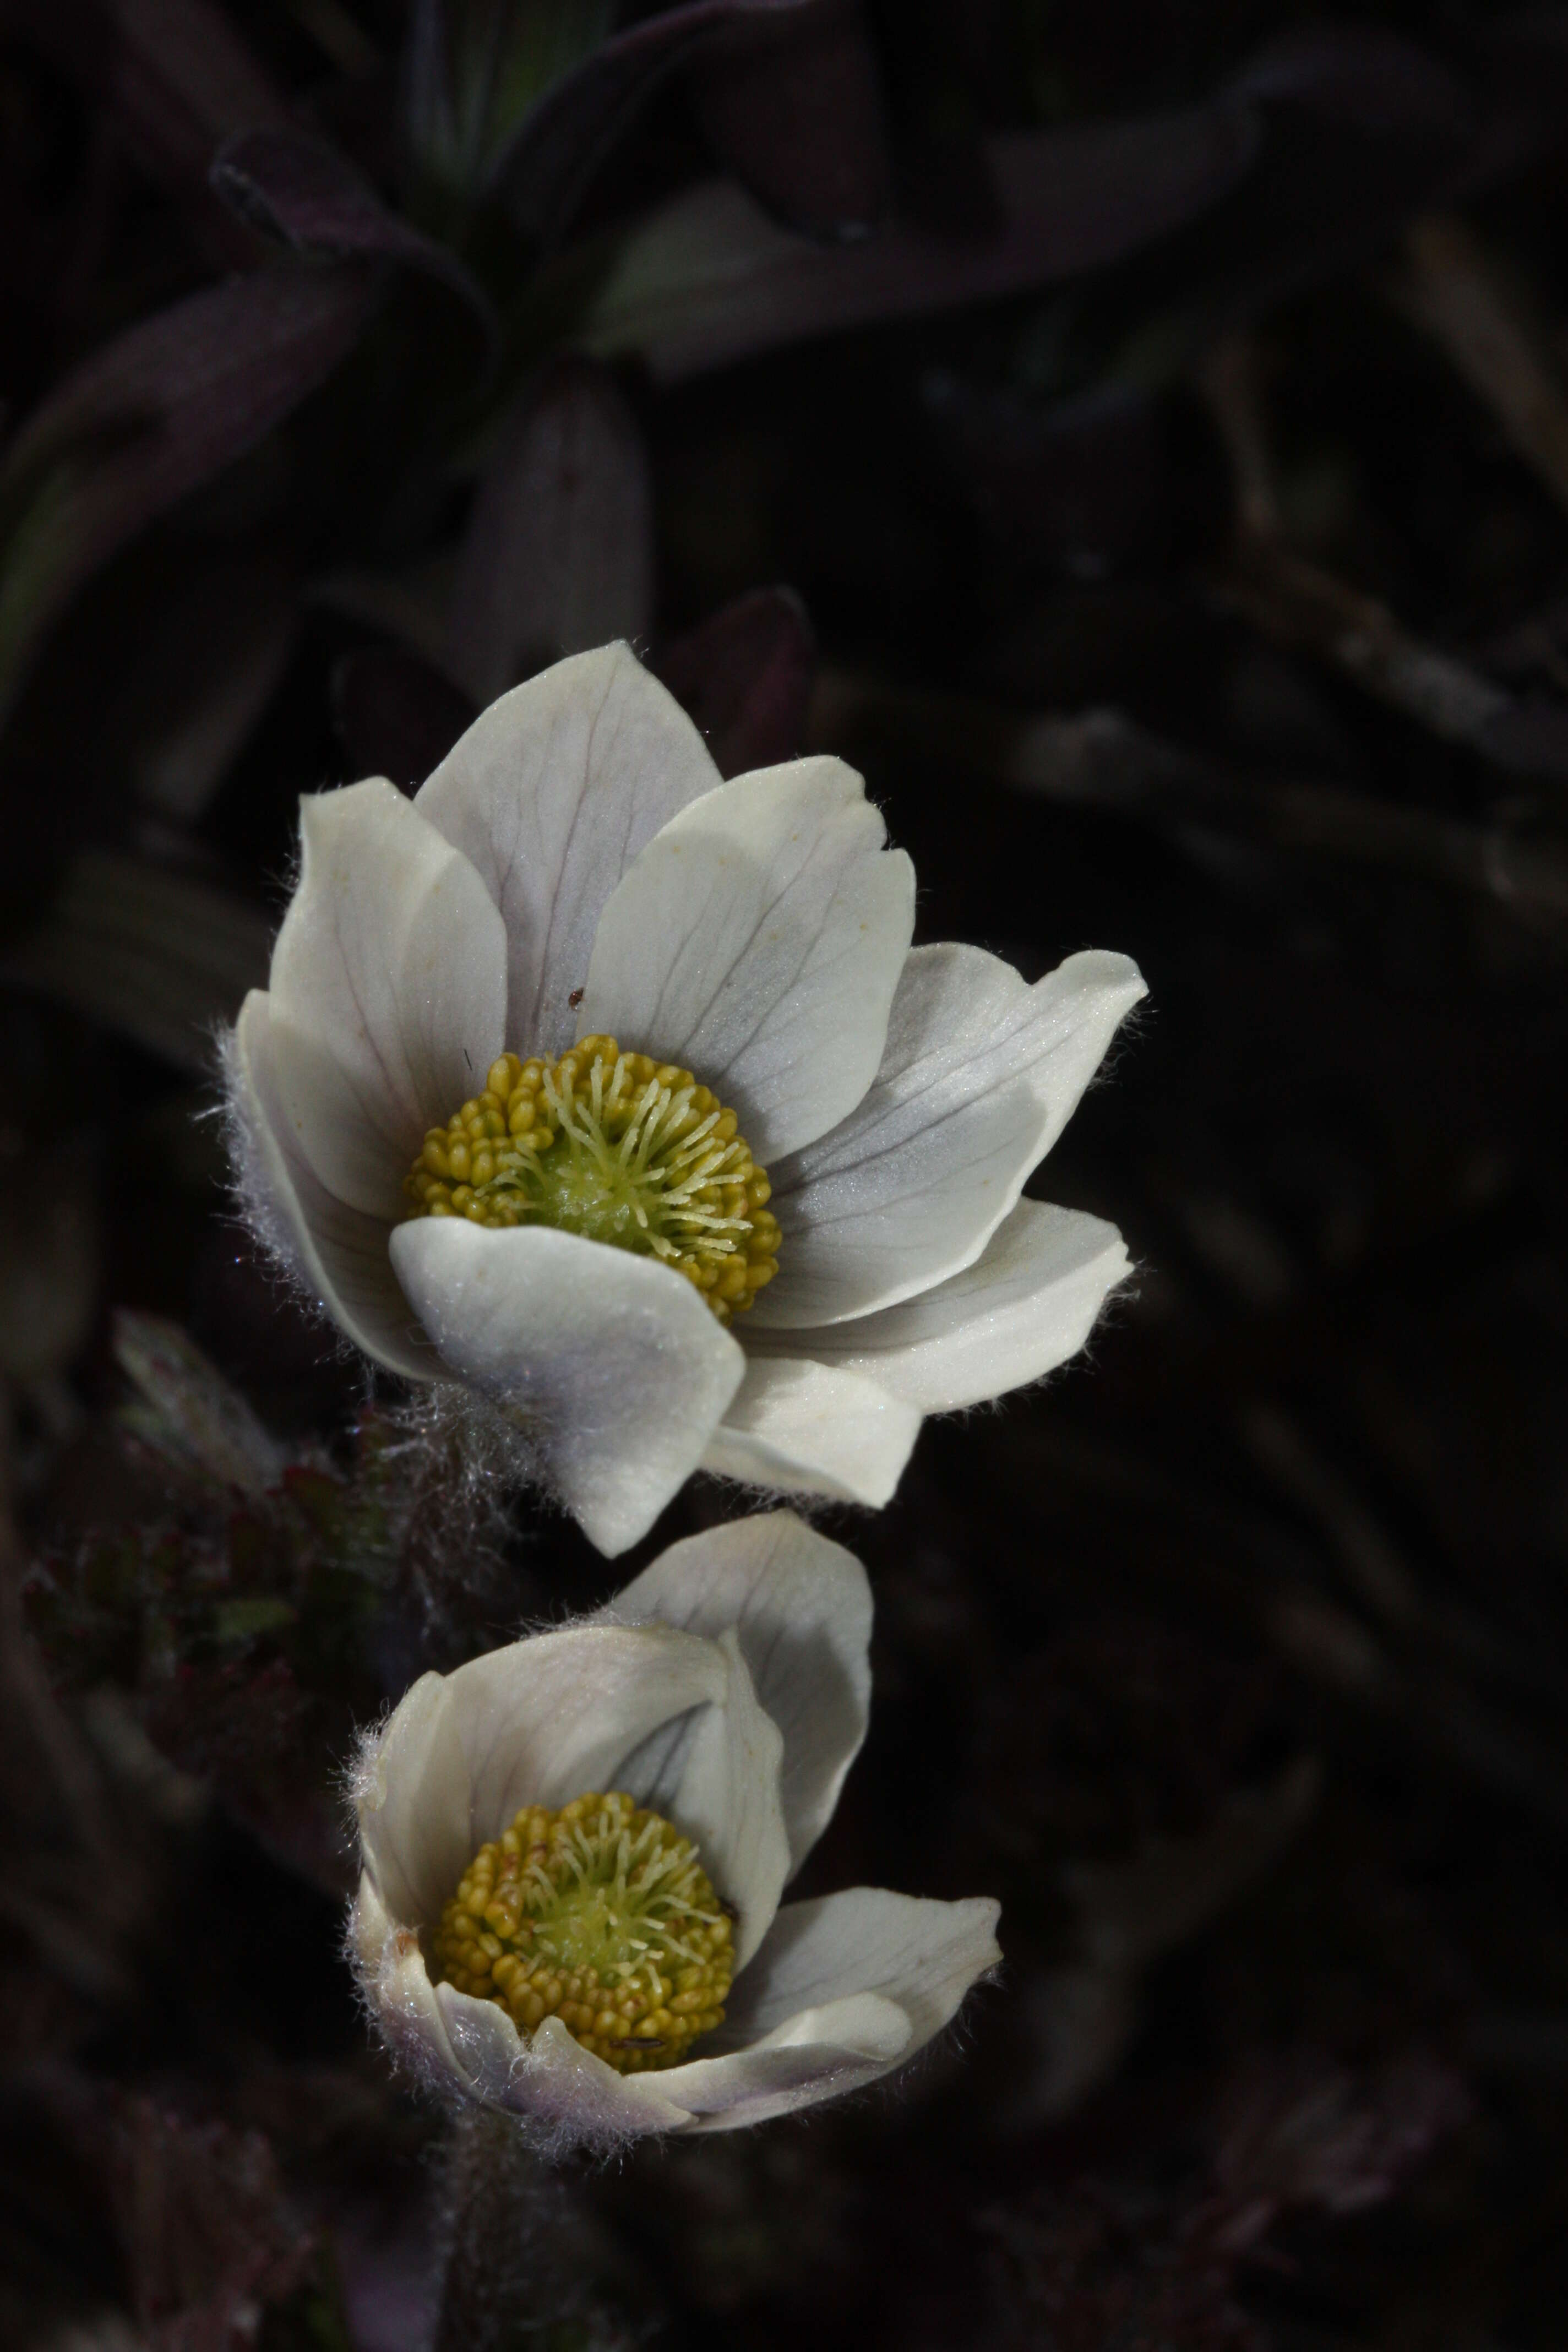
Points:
x=727 y=1802
x=852 y=1985
x=610 y=1362
x=547 y=2075
x=556 y=2081
x=715 y=1772
x=758 y=940
x=388 y=990
x=804 y=1428
x=893 y=1226
x=923 y=1954
x=486 y=2048
x=538 y=1722
x=455 y=2041
x=392 y=1970
x=413 y=1801
x=541 y=1721
x=338 y=1254
x=549 y=1719
x=820 y=2055
x=1029 y=1302
x=550 y=794
x=802 y=1609
x=981 y=1073
x=552 y=1717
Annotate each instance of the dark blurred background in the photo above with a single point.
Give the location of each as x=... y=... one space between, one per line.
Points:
x=1136 y=435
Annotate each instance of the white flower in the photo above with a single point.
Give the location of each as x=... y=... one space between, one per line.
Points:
x=576 y=868
x=727 y=1689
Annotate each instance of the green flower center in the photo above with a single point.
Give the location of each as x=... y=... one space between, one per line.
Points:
x=617 y=1148
x=599 y=1915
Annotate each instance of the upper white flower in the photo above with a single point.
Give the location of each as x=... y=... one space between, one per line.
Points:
x=575 y=867
x=727 y=1689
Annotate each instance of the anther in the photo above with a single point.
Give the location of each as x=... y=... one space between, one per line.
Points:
x=600 y=1915
x=617 y=1148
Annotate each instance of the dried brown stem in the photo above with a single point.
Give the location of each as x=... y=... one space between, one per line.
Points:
x=1298 y=604
x=1228 y=378
x=1454 y=289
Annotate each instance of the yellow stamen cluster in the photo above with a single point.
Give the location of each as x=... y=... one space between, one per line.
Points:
x=599 y=1915
x=615 y=1147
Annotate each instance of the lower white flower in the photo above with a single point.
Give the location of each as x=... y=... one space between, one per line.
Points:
x=571 y=1845
x=581 y=993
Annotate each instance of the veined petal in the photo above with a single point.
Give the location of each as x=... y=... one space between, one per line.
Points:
x=338 y=1254
x=981 y=1073
x=894 y=1225
x=541 y=1721
x=802 y=1609
x=388 y=990
x=819 y=2055
x=1029 y=1302
x=558 y=2081
x=804 y=1428
x=413 y=1803
x=561 y=1713
x=456 y=2042
x=538 y=1722
x=611 y=1364
x=715 y=1772
x=757 y=940
x=392 y=1970
x=550 y=794
x=727 y=1800
x=920 y=1953
x=486 y=2048
x=854 y=1984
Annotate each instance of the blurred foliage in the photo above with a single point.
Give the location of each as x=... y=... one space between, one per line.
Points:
x=1137 y=434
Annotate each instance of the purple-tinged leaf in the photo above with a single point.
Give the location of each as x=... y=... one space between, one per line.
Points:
x=185 y=81
x=745 y=674
x=173 y=80
x=473 y=70
x=934 y=67
x=396 y=716
x=794 y=108
x=1361 y=129
x=54 y=208
x=944 y=183
x=303 y=195
x=558 y=550
x=561 y=141
x=709 y=279
x=151 y=416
